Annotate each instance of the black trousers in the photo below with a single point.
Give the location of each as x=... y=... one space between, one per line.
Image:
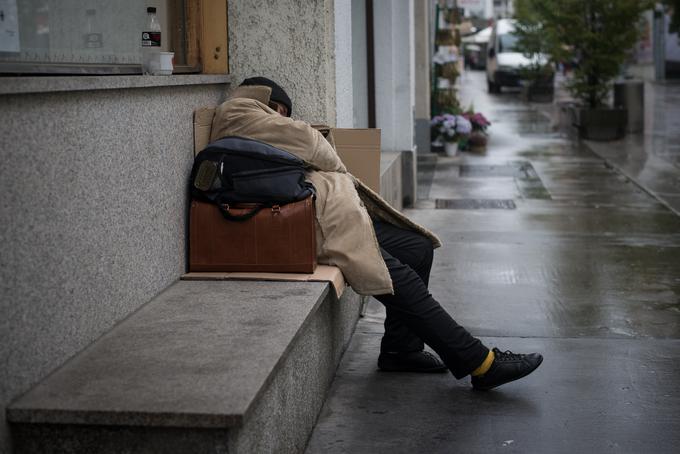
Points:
x=414 y=317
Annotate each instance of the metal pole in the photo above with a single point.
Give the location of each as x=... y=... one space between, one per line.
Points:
x=434 y=100
x=659 y=42
x=370 y=63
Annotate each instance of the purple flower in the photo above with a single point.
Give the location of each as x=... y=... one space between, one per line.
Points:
x=463 y=125
x=437 y=119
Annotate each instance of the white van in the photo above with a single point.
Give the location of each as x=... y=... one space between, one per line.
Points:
x=503 y=60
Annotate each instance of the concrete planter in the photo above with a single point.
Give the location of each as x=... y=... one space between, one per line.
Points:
x=601 y=124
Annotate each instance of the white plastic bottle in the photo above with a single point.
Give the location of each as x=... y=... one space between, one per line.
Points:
x=151 y=43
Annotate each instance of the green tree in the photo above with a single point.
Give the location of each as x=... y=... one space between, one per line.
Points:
x=596 y=34
x=530 y=33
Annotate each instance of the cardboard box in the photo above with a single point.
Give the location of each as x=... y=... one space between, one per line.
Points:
x=359 y=150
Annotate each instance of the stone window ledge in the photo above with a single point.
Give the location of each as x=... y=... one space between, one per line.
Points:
x=47 y=84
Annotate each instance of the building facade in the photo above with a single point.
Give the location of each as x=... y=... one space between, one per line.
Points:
x=94 y=167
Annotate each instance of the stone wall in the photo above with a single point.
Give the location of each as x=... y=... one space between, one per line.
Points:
x=291 y=42
x=94 y=186
x=344 y=76
x=93 y=213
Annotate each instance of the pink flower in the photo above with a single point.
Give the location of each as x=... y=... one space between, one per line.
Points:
x=479 y=121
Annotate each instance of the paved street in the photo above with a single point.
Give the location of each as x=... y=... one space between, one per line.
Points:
x=546 y=248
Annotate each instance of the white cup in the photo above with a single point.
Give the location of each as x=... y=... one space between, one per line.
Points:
x=167 y=63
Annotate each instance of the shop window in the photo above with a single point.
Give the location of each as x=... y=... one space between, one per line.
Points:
x=104 y=36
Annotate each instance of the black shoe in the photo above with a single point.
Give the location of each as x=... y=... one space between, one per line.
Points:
x=421 y=361
x=506 y=367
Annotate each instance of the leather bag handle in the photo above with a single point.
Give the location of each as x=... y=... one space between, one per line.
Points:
x=224 y=209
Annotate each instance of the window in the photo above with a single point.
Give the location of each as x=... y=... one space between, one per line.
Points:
x=507 y=43
x=104 y=36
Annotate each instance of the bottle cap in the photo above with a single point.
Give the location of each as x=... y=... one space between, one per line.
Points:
x=151 y=9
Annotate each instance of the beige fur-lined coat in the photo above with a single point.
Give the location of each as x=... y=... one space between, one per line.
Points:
x=344 y=205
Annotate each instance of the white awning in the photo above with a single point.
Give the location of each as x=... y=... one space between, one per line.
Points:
x=481 y=37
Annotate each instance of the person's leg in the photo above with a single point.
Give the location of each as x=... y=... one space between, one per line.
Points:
x=422 y=315
x=416 y=251
x=415 y=314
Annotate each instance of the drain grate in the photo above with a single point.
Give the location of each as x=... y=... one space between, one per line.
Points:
x=526 y=178
x=476 y=171
x=475 y=204
x=522 y=170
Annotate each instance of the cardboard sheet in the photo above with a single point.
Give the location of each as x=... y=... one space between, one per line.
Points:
x=359 y=150
x=323 y=273
x=203 y=118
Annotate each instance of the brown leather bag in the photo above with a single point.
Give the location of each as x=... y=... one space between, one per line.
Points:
x=279 y=239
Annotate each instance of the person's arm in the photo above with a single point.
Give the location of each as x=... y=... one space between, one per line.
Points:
x=251 y=119
x=304 y=141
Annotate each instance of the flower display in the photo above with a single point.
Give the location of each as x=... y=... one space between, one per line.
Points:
x=450 y=128
x=478 y=121
x=445 y=54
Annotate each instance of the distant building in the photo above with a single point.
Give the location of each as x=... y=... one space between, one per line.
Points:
x=487 y=9
x=503 y=9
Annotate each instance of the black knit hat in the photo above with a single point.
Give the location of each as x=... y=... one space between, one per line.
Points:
x=278 y=94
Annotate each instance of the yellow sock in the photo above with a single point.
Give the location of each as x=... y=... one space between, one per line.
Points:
x=481 y=370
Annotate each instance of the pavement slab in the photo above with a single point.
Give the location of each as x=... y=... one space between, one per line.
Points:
x=583 y=267
x=589 y=395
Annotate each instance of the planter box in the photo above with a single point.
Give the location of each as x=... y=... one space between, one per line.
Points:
x=601 y=124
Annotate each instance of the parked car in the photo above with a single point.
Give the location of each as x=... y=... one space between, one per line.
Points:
x=504 y=61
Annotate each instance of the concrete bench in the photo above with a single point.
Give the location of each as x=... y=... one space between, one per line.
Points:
x=207 y=366
x=214 y=366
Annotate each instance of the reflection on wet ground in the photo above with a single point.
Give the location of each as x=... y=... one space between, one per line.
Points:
x=652 y=159
x=601 y=258
x=586 y=270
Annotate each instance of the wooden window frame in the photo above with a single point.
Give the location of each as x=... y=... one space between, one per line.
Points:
x=199 y=31
x=208 y=36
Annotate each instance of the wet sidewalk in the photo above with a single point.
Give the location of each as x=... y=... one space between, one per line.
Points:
x=652 y=159
x=546 y=248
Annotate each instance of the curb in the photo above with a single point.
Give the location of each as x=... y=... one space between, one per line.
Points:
x=637 y=183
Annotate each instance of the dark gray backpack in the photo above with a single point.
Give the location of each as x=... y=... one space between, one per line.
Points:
x=235 y=170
